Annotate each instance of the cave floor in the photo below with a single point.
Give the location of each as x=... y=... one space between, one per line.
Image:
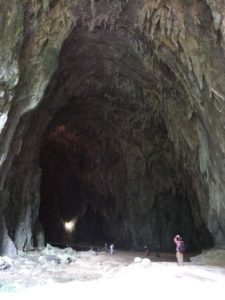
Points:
x=111 y=276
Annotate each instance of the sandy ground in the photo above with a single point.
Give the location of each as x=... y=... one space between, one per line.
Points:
x=117 y=276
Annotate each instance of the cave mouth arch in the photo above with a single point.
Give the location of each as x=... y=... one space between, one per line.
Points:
x=113 y=136
x=106 y=157
x=111 y=168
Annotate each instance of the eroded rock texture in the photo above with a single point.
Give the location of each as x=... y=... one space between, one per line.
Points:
x=112 y=115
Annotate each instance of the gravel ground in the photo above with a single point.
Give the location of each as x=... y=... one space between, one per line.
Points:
x=58 y=273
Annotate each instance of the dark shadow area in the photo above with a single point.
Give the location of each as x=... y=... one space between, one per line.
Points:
x=107 y=159
x=133 y=196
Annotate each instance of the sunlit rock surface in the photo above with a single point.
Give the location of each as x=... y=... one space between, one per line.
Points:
x=112 y=115
x=210 y=257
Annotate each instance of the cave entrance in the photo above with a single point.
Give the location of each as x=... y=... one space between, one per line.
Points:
x=108 y=164
x=110 y=180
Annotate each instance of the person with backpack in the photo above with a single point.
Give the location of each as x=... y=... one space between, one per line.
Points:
x=180 y=249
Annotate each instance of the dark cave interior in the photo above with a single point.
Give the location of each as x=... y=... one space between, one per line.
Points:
x=115 y=182
x=108 y=162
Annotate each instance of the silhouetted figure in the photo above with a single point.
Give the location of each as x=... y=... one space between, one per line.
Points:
x=157 y=254
x=111 y=248
x=147 y=250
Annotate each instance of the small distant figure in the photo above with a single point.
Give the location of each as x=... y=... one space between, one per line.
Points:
x=147 y=250
x=106 y=247
x=180 y=249
x=157 y=253
x=111 y=248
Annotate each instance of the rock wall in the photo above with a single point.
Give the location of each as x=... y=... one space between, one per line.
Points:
x=163 y=56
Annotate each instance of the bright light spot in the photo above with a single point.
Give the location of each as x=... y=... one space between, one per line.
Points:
x=69 y=226
x=3 y=119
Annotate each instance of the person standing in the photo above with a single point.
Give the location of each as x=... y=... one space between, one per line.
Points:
x=179 y=249
x=111 y=248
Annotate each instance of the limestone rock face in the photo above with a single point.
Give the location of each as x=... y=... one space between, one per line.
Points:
x=112 y=116
x=7 y=246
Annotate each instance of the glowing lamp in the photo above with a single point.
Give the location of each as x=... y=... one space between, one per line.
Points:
x=69 y=226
